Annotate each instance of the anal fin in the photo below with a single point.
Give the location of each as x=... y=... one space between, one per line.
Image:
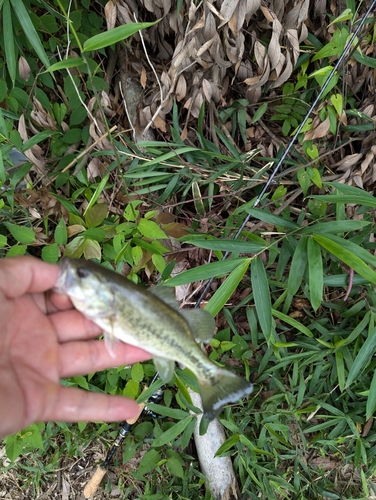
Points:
x=165 y=367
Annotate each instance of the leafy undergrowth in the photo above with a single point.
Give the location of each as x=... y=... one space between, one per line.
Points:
x=294 y=300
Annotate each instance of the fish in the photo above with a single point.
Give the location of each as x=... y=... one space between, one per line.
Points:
x=151 y=319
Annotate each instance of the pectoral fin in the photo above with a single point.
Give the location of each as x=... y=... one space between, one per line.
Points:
x=165 y=368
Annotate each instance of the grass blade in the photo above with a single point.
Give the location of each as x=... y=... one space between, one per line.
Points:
x=371 y=400
x=29 y=30
x=363 y=358
x=298 y=266
x=115 y=35
x=228 y=287
x=261 y=293
x=10 y=54
x=205 y=272
x=347 y=256
x=315 y=268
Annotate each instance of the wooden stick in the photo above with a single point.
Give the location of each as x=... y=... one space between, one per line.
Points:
x=93 y=484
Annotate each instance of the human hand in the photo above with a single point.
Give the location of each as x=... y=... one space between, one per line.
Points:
x=43 y=339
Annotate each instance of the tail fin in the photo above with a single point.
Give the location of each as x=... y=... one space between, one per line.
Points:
x=224 y=387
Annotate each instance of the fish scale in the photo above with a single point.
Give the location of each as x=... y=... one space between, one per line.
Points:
x=151 y=319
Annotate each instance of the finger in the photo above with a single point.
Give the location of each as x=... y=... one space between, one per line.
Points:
x=76 y=405
x=79 y=358
x=72 y=325
x=20 y=275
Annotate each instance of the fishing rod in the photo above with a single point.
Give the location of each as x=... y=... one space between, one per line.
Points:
x=341 y=59
x=125 y=428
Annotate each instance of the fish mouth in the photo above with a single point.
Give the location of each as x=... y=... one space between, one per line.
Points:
x=62 y=282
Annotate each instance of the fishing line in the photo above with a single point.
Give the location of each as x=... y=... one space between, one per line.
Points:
x=295 y=136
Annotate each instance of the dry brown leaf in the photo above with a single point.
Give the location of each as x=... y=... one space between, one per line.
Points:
x=318 y=131
x=160 y=123
x=143 y=77
x=110 y=14
x=41 y=116
x=181 y=88
x=349 y=161
x=23 y=68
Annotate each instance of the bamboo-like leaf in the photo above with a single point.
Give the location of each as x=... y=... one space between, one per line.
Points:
x=227 y=288
x=315 y=268
x=270 y=218
x=292 y=322
x=335 y=227
x=340 y=369
x=172 y=432
x=363 y=358
x=9 y=48
x=226 y=245
x=298 y=266
x=261 y=294
x=371 y=400
x=205 y=272
x=115 y=35
x=29 y=30
x=71 y=62
x=347 y=256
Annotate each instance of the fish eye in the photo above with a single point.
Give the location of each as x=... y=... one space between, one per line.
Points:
x=82 y=272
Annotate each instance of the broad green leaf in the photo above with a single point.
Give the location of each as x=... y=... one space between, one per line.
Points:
x=29 y=30
x=227 y=288
x=3 y=241
x=75 y=248
x=10 y=53
x=22 y=234
x=265 y=216
x=226 y=245
x=50 y=253
x=359 y=199
x=346 y=256
x=115 y=35
x=363 y=358
x=175 y=467
x=92 y=249
x=16 y=250
x=292 y=322
x=315 y=269
x=337 y=101
x=60 y=233
x=371 y=400
x=137 y=372
x=166 y=411
x=150 y=229
x=13 y=446
x=207 y=271
x=71 y=62
x=261 y=294
x=148 y=462
x=298 y=266
x=96 y=215
x=172 y=432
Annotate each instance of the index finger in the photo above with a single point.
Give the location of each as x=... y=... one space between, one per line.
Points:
x=26 y=274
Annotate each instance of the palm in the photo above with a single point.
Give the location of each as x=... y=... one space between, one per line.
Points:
x=43 y=339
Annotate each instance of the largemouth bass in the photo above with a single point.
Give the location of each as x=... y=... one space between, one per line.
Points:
x=151 y=319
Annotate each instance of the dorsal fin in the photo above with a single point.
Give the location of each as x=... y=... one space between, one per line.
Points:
x=200 y=322
x=166 y=294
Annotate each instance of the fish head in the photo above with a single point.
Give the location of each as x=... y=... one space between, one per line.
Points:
x=81 y=281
